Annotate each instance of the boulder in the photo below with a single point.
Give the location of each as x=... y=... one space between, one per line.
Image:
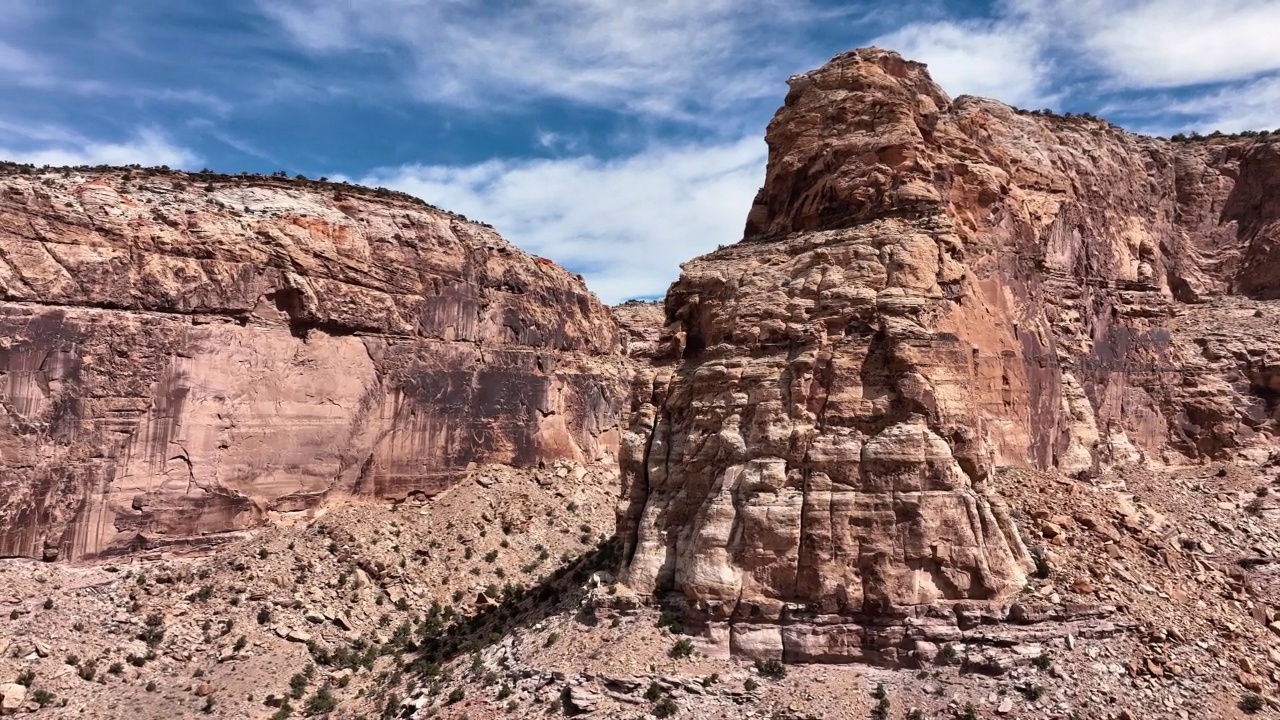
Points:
x=582 y=699
x=12 y=696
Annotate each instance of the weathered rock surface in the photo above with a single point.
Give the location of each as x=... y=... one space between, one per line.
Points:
x=642 y=322
x=12 y=695
x=181 y=361
x=930 y=289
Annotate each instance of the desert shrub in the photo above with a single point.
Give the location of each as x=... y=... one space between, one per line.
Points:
x=321 y=702
x=771 y=668
x=1031 y=691
x=665 y=708
x=671 y=620
x=682 y=648
x=297 y=685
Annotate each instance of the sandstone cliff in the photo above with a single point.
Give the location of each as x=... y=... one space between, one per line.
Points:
x=183 y=356
x=931 y=290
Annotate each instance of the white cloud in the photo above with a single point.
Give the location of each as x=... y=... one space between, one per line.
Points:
x=625 y=224
x=1025 y=53
x=550 y=140
x=147 y=147
x=1123 y=54
x=661 y=57
x=999 y=60
x=17 y=61
x=1254 y=105
x=36 y=132
x=1160 y=43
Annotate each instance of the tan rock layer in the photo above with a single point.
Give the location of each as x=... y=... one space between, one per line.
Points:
x=178 y=362
x=929 y=289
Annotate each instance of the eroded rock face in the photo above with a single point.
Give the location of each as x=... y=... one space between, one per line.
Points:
x=930 y=290
x=642 y=322
x=178 y=362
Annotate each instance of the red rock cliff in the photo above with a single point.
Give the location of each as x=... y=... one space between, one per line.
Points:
x=182 y=360
x=931 y=289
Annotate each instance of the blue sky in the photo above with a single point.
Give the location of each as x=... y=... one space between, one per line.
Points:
x=617 y=138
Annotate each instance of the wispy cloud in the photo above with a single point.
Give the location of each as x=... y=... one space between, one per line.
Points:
x=550 y=140
x=26 y=132
x=670 y=58
x=1158 y=43
x=1125 y=55
x=625 y=224
x=147 y=147
x=208 y=127
x=20 y=13
x=1253 y=105
x=34 y=69
x=17 y=61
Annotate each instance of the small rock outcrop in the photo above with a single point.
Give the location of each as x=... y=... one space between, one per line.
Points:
x=641 y=322
x=185 y=355
x=931 y=290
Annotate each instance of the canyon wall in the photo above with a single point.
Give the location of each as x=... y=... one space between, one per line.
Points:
x=185 y=356
x=930 y=290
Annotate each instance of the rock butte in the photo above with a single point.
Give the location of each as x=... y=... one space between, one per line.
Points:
x=177 y=362
x=930 y=290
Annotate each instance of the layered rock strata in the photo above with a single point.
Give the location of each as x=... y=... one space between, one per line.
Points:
x=184 y=356
x=930 y=289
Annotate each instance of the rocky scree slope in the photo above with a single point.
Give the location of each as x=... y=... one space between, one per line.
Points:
x=182 y=356
x=930 y=290
x=339 y=615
